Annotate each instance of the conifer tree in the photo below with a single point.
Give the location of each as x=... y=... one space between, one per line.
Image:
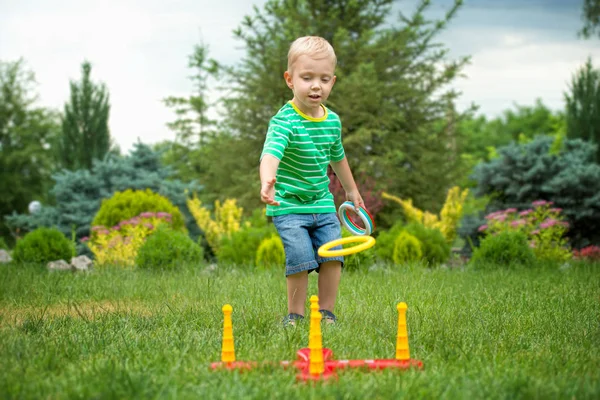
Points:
x=583 y=106
x=193 y=127
x=591 y=18
x=85 y=133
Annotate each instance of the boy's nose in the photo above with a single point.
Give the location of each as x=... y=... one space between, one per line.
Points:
x=315 y=85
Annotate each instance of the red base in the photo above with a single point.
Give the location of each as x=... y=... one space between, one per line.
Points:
x=303 y=364
x=239 y=365
x=304 y=354
x=374 y=364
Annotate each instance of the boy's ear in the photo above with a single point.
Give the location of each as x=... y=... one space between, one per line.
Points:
x=288 y=79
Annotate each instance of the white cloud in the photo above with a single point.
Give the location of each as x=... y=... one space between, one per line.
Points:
x=500 y=77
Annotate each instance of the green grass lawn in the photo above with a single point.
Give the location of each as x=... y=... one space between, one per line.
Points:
x=134 y=334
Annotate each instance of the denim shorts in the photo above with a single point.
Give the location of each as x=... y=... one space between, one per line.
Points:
x=302 y=235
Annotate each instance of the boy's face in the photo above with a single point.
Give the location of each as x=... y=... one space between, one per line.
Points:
x=311 y=81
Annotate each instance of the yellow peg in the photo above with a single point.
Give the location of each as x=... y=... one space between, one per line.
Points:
x=402 y=350
x=315 y=344
x=314 y=303
x=227 y=350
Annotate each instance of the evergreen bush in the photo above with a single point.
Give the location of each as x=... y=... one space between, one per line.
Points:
x=504 y=249
x=526 y=172
x=42 y=246
x=168 y=249
x=78 y=194
x=270 y=253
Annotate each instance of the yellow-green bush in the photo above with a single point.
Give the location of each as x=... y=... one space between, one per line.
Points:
x=120 y=244
x=434 y=247
x=270 y=252
x=130 y=203
x=225 y=221
x=407 y=248
x=448 y=219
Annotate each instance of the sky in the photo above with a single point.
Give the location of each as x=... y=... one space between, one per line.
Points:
x=520 y=50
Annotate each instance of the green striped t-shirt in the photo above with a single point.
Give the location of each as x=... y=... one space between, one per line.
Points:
x=304 y=146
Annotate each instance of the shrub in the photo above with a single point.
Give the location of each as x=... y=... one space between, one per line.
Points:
x=589 y=253
x=168 y=249
x=226 y=221
x=434 y=246
x=470 y=233
x=435 y=250
x=543 y=226
x=367 y=188
x=3 y=244
x=42 y=246
x=407 y=248
x=506 y=248
x=270 y=252
x=448 y=219
x=240 y=248
x=384 y=249
x=523 y=173
x=120 y=244
x=131 y=203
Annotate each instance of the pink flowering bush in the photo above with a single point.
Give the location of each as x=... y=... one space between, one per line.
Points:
x=589 y=253
x=119 y=245
x=543 y=225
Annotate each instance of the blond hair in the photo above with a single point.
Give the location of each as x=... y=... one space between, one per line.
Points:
x=312 y=46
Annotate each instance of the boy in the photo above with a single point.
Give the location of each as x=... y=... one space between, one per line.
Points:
x=303 y=138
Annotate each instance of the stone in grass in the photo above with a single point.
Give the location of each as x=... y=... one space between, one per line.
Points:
x=4 y=257
x=81 y=263
x=60 y=265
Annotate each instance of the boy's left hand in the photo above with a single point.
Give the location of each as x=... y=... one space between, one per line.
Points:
x=356 y=199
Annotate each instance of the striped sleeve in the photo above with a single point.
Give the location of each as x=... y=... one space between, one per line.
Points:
x=278 y=137
x=337 y=150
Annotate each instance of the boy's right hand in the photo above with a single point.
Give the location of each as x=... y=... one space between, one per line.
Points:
x=267 y=192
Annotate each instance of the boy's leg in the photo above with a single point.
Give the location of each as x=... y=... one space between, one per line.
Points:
x=297 y=286
x=330 y=273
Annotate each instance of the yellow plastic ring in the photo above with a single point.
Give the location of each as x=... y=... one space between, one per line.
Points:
x=367 y=242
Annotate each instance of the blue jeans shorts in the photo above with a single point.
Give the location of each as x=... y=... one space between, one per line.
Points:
x=302 y=235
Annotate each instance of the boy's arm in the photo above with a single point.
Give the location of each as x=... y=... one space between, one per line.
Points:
x=342 y=170
x=268 y=171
